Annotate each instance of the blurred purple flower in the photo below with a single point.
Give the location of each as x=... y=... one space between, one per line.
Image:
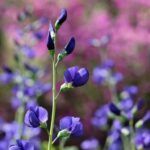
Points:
x=142 y=138
x=22 y=145
x=100 y=119
x=90 y=144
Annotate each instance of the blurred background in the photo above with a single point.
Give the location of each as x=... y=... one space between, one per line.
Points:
x=118 y=30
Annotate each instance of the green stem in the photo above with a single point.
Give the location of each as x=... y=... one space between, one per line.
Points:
x=125 y=142
x=132 y=135
x=62 y=144
x=53 y=104
x=106 y=144
x=20 y=118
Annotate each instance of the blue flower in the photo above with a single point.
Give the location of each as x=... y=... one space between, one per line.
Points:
x=100 y=118
x=70 y=46
x=90 y=144
x=76 y=76
x=131 y=90
x=104 y=75
x=50 y=40
x=22 y=145
x=146 y=118
x=27 y=51
x=126 y=104
x=61 y=19
x=117 y=145
x=72 y=124
x=34 y=117
x=142 y=138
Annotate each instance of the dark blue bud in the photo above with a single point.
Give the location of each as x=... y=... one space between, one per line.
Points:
x=50 y=39
x=38 y=35
x=114 y=109
x=70 y=46
x=61 y=19
x=140 y=104
x=31 y=68
x=7 y=70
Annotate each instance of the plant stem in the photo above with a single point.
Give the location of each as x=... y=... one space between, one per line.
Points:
x=20 y=117
x=132 y=135
x=62 y=144
x=125 y=142
x=53 y=103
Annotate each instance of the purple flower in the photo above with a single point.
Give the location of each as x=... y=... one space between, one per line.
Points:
x=50 y=41
x=34 y=117
x=142 y=138
x=117 y=145
x=72 y=124
x=126 y=104
x=61 y=19
x=70 y=46
x=100 y=119
x=104 y=75
x=76 y=76
x=22 y=145
x=100 y=75
x=90 y=144
x=28 y=51
x=131 y=90
x=146 y=118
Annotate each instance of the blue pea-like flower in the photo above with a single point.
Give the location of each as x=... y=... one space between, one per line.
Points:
x=61 y=19
x=50 y=41
x=76 y=76
x=72 y=124
x=35 y=117
x=22 y=145
x=70 y=46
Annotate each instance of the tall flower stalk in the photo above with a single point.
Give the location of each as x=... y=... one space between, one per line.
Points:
x=53 y=102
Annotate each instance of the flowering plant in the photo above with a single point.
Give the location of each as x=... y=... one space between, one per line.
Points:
x=117 y=118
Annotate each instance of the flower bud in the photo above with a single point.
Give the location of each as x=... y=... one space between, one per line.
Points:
x=61 y=19
x=70 y=46
x=50 y=39
x=63 y=134
x=139 y=124
x=114 y=109
x=66 y=87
